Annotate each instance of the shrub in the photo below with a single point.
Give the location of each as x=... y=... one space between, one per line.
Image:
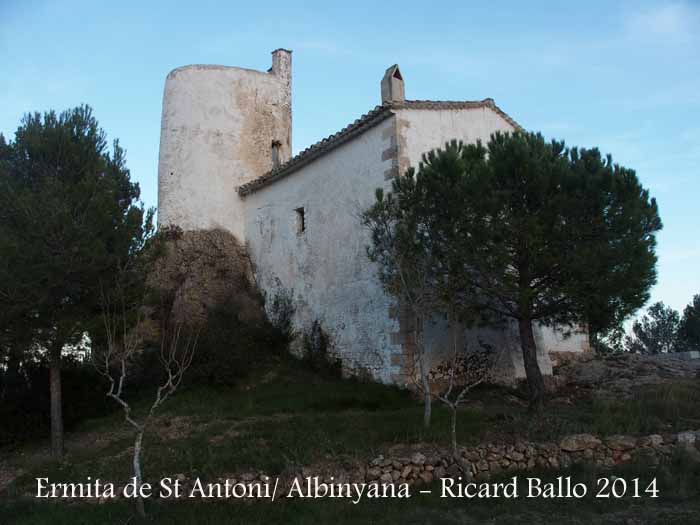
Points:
x=656 y=408
x=316 y=351
x=230 y=347
x=24 y=407
x=280 y=311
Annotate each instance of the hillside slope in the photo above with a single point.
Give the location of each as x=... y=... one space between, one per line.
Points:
x=289 y=419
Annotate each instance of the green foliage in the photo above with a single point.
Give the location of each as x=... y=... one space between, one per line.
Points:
x=280 y=311
x=656 y=332
x=286 y=416
x=230 y=348
x=662 y=329
x=671 y=406
x=610 y=342
x=530 y=227
x=522 y=229
x=69 y=221
x=689 y=327
x=24 y=407
x=299 y=417
x=317 y=352
x=289 y=386
x=69 y=218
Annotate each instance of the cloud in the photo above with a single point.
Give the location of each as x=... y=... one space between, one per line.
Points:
x=673 y=23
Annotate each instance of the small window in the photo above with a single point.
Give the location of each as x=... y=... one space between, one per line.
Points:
x=301 y=220
x=276 y=144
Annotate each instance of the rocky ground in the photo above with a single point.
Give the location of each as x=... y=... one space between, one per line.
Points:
x=621 y=375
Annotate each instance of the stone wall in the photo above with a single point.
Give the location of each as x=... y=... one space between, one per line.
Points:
x=417 y=465
x=483 y=461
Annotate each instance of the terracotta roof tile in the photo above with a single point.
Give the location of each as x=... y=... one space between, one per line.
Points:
x=362 y=124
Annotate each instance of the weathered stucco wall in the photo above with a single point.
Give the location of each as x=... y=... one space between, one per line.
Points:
x=217 y=130
x=219 y=126
x=420 y=131
x=326 y=266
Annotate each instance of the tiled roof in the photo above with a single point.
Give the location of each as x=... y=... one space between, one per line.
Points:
x=365 y=122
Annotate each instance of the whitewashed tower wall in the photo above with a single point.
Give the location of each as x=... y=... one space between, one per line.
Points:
x=219 y=129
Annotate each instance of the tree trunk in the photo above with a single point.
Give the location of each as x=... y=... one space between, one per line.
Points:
x=535 y=382
x=56 y=403
x=427 y=399
x=427 y=408
x=453 y=430
x=140 y=508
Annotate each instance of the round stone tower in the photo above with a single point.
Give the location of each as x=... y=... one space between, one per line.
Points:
x=221 y=127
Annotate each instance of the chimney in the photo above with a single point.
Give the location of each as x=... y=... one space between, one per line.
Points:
x=282 y=64
x=392 y=86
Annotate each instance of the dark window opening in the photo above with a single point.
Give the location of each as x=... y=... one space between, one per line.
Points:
x=301 y=220
x=276 y=144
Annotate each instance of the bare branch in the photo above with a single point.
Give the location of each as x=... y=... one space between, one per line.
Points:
x=123 y=345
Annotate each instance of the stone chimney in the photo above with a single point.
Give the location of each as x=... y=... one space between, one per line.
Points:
x=281 y=143
x=392 y=85
x=282 y=64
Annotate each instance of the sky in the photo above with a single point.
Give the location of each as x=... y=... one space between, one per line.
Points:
x=622 y=76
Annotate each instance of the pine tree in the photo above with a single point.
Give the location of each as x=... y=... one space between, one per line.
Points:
x=69 y=217
x=689 y=328
x=656 y=332
x=532 y=232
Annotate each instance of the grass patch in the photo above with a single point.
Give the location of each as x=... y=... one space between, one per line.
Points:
x=289 y=388
x=290 y=416
x=273 y=445
x=668 y=407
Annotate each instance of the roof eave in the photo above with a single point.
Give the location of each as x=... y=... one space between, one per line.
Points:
x=367 y=121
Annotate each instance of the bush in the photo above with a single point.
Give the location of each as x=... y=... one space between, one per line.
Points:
x=611 y=342
x=316 y=351
x=664 y=407
x=229 y=347
x=24 y=408
x=280 y=311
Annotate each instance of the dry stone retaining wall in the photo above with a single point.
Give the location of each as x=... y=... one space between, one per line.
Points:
x=419 y=465
x=483 y=461
x=416 y=464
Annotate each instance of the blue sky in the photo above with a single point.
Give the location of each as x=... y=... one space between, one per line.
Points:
x=624 y=76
